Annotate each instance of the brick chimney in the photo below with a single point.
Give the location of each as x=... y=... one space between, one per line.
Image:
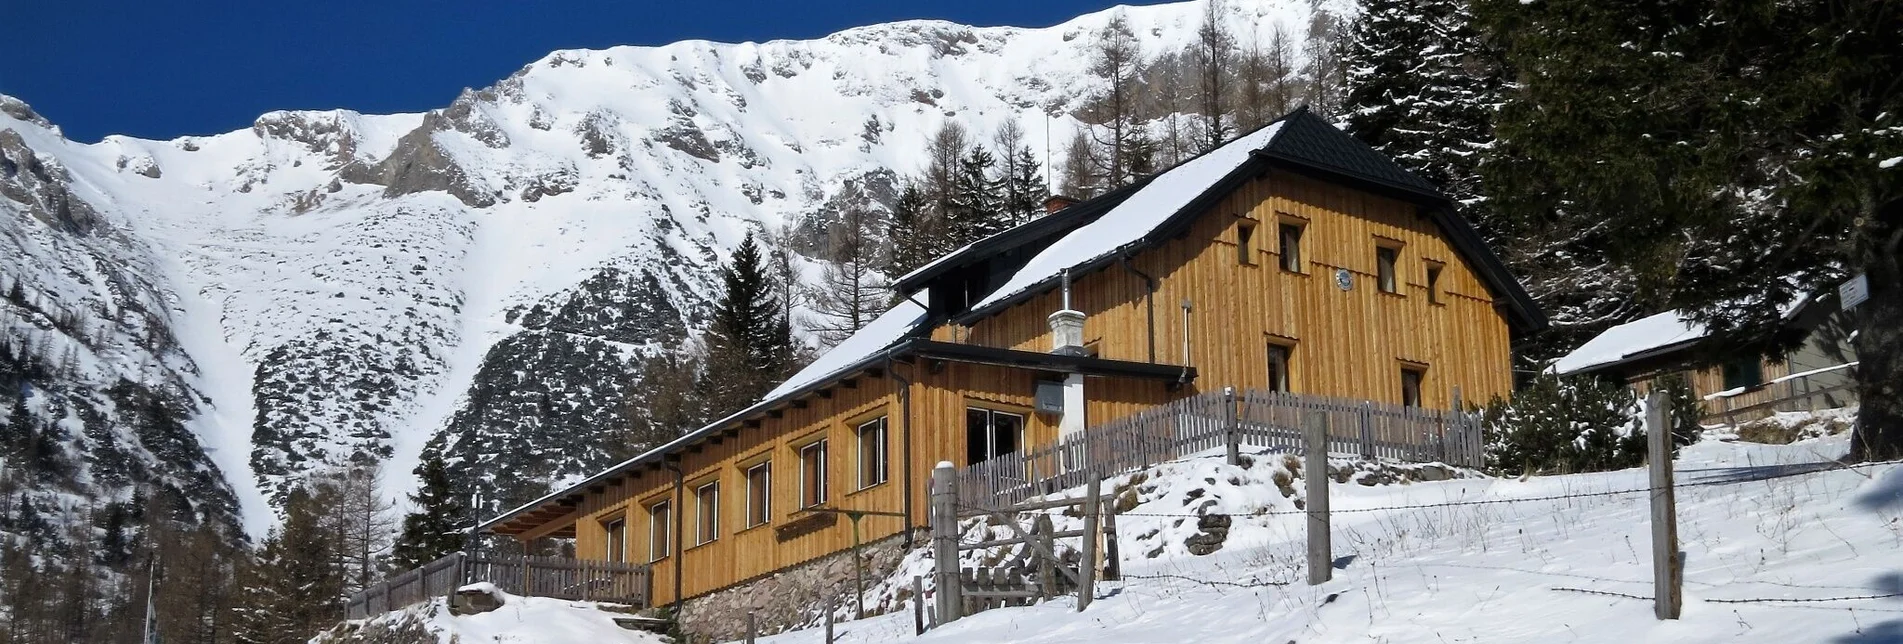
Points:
x=1058 y=202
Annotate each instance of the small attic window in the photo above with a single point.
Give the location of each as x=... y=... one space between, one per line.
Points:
x=1245 y=243
x=1291 y=246
x=1433 y=282
x=1385 y=258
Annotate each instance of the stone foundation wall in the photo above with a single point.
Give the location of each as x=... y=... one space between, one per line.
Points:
x=792 y=597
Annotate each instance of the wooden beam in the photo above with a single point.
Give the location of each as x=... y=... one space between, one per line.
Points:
x=799 y=403
x=774 y=414
x=550 y=526
x=826 y=394
x=752 y=423
x=849 y=383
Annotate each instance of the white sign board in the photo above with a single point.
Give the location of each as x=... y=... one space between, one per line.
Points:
x=1854 y=292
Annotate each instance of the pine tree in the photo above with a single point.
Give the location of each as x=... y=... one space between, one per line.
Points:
x=750 y=343
x=851 y=292
x=909 y=230
x=977 y=200
x=295 y=587
x=1421 y=88
x=1727 y=155
x=440 y=523
x=1020 y=183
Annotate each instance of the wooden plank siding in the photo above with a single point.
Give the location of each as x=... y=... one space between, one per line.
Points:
x=1350 y=344
x=941 y=393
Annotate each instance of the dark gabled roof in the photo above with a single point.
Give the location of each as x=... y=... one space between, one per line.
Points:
x=1306 y=144
x=1041 y=228
x=1307 y=140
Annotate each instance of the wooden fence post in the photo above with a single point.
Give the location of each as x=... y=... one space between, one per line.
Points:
x=830 y=600
x=945 y=541
x=918 y=605
x=751 y=631
x=1087 y=565
x=1231 y=420
x=1320 y=555
x=1367 y=432
x=1113 y=559
x=1041 y=530
x=1668 y=568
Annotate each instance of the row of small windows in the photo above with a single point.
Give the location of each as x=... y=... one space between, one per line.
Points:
x=1281 y=354
x=872 y=457
x=1289 y=249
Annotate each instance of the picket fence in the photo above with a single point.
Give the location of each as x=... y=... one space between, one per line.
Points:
x=1222 y=419
x=562 y=578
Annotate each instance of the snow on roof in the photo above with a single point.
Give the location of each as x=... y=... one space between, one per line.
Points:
x=1136 y=216
x=1647 y=334
x=1631 y=338
x=882 y=332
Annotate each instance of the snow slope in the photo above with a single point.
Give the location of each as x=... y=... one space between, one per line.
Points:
x=1513 y=570
x=474 y=281
x=520 y=620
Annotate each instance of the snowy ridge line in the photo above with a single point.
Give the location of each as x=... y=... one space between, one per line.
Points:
x=1751 y=600
x=1555 y=497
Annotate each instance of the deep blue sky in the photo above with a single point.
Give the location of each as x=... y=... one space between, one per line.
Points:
x=161 y=69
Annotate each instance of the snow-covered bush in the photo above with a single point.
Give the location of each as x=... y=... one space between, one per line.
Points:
x=1565 y=425
x=1686 y=409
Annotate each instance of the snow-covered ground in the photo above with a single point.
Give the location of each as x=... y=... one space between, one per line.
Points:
x=1522 y=570
x=520 y=620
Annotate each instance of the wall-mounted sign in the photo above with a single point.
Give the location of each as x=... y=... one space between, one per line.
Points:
x=1344 y=279
x=1854 y=292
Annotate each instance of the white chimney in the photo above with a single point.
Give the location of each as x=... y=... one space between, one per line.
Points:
x=1067 y=338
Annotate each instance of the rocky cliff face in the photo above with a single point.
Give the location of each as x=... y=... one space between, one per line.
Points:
x=327 y=287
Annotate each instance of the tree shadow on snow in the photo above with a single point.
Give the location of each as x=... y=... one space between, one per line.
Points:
x=1885 y=493
x=1889 y=632
x=1720 y=475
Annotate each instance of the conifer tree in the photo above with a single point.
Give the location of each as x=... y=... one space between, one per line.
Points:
x=1213 y=54
x=440 y=523
x=750 y=343
x=1421 y=88
x=976 y=200
x=295 y=588
x=910 y=230
x=1020 y=183
x=1729 y=155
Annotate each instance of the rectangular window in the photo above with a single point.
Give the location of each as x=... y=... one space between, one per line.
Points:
x=872 y=461
x=1291 y=247
x=1743 y=372
x=1384 y=260
x=706 y=513
x=1433 y=282
x=990 y=434
x=813 y=474
x=1278 y=367
x=660 y=516
x=759 y=496
x=617 y=539
x=1245 y=243
x=1411 y=386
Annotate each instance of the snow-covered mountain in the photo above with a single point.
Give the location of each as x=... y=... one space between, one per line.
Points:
x=328 y=285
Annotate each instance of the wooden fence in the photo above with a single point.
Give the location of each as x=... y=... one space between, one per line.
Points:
x=558 y=577
x=1225 y=419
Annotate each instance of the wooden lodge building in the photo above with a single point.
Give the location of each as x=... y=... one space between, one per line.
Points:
x=1293 y=258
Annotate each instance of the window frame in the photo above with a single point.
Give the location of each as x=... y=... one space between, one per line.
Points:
x=1420 y=382
x=1291 y=262
x=881 y=427
x=617 y=538
x=658 y=523
x=1288 y=362
x=991 y=447
x=807 y=497
x=1387 y=267
x=1735 y=373
x=1434 y=271
x=762 y=515
x=706 y=519
x=1245 y=242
